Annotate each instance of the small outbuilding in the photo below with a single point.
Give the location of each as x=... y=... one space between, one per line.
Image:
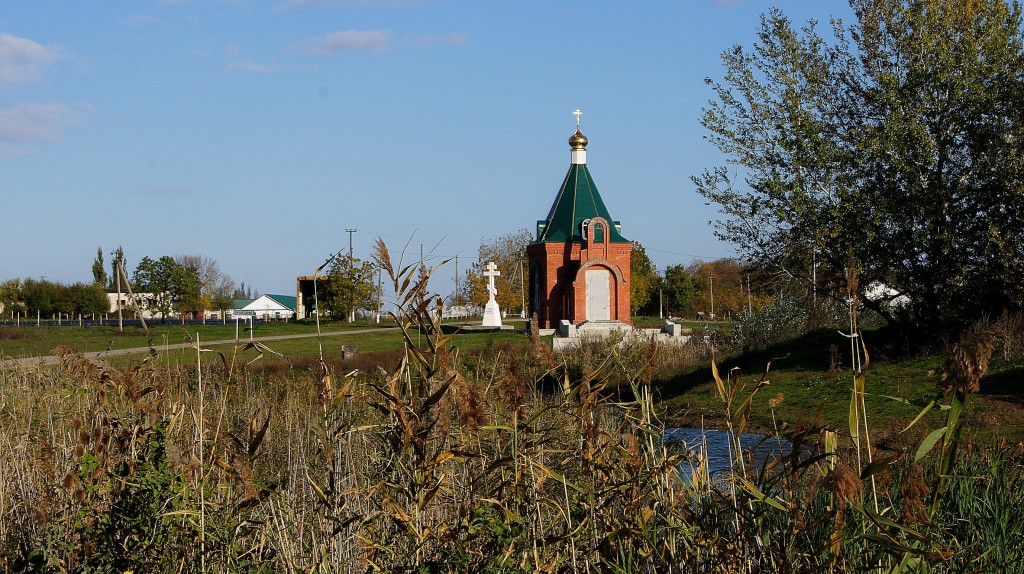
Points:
x=268 y=307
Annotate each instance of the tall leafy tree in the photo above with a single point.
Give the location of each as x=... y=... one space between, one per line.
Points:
x=11 y=296
x=158 y=280
x=348 y=287
x=678 y=290
x=643 y=280
x=99 y=272
x=898 y=141
x=187 y=288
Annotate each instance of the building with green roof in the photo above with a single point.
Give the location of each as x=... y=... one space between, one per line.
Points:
x=579 y=261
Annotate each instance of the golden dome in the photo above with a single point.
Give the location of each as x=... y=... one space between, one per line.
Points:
x=578 y=140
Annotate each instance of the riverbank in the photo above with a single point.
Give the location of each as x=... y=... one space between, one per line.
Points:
x=810 y=383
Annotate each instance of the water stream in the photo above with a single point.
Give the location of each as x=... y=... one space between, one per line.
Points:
x=717 y=447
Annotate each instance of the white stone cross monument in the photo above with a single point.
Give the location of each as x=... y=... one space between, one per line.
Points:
x=492 y=314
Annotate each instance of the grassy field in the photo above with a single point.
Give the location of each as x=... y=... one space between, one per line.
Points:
x=30 y=341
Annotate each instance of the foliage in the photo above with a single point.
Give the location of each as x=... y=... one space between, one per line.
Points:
x=173 y=284
x=643 y=278
x=48 y=298
x=242 y=292
x=678 y=290
x=348 y=286
x=11 y=296
x=900 y=140
x=732 y=284
x=215 y=286
x=99 y=272
x=118 y=259
x=781 y=320
x=508 y=252
x=157 y=278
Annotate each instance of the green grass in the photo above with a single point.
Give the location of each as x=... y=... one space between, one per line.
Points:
x=30 y=341
x=308 y=347
x=812 y=392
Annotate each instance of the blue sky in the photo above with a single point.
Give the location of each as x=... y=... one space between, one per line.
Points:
x=256 y=132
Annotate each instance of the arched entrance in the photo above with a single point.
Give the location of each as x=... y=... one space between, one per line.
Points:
x=598 y=294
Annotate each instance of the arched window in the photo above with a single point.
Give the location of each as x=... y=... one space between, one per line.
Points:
x=598 y=233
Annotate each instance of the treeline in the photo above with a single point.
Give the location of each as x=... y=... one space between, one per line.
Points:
x=47 y=298
x=723 y=287
x=183 y=284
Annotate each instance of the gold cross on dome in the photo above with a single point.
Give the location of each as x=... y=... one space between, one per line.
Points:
x=577 y=113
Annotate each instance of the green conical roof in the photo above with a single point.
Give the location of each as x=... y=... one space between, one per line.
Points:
x=577 y=201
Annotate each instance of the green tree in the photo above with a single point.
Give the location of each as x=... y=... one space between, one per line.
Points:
x=157 y=280
x=40 y=297
x=11 y=297
x=99 y=271
x=187 y=289
x=348 y=286
x=644 y=279
x=88 y=300
x=48 y=298
x=898 y=141
x=508 y=252
x=212 y=281
x=678 y=290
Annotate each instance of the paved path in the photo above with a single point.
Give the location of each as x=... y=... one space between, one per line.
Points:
x=54 y=359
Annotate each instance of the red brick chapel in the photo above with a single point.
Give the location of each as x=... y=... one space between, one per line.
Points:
x=579 y=261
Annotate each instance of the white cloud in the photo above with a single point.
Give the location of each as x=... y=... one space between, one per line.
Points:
x=351 y=41
x=21 y=60
x=32 y=122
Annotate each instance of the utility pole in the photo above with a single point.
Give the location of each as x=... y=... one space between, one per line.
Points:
x=457 y=302
x=117 y=275
x=711 y=279
x=522 y=289
x=380 y=292
x=750 y=298
x=350 y=232
x=131 y=296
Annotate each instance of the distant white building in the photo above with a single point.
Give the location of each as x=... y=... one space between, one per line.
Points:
x=146 y=302
x=267 y=307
